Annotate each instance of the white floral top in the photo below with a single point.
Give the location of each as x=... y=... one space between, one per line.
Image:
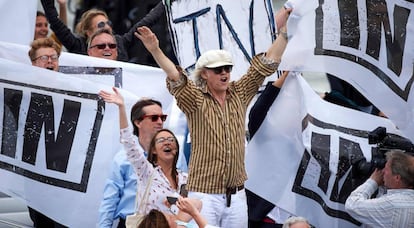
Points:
x=160 y=186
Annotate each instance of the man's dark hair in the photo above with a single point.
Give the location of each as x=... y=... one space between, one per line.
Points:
x=40 y=13
x=137 y=111
x=99 y=32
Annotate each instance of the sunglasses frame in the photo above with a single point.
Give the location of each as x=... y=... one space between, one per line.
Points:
x=218 y=70
x=42 y=58
x=154 y=118
x=103 y=46
x=101 y=24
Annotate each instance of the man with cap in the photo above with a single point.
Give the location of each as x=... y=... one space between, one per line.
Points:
x=216 y=109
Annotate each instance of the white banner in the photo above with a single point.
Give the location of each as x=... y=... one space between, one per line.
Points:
x=17 y=21
x=58 y=138
x=242 y=27
x=367 y=43
x=300 y=158
x=70 y=191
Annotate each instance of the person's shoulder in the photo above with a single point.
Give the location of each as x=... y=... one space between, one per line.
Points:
x=120 y=155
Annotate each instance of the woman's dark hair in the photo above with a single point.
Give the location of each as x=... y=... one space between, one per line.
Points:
x=152 y=158
x=154 y=219
x=137 y=111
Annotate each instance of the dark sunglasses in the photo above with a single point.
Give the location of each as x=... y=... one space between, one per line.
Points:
x=103 y=46
x=154 y=118
x=218 y=70
x=102 y=24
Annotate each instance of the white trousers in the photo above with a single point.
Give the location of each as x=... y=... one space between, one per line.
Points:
x=217 y=213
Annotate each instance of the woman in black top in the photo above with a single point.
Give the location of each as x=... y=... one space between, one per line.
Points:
x=91 y=21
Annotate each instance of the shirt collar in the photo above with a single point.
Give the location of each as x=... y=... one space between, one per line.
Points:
x=401 y=190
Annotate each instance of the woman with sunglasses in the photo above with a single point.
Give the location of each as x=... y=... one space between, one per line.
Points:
x=90 y=22
x=159 y=168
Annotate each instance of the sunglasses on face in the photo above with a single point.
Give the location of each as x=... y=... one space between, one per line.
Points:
x=162 y=139
x=103 y=46
x=154 y=118
x=218 y=70
x=102 y=24
x=45 y=58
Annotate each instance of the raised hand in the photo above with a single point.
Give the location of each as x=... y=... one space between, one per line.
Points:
x=189 y=205
x=115 y=98
x=282 y=15
x=378 y=176
x=148 y=38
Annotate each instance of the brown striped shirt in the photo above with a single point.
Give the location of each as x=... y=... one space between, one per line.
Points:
x=218 y=134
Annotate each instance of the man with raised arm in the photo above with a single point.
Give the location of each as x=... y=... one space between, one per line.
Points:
x=216 y=109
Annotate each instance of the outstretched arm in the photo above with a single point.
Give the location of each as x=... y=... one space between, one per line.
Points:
x=279 y=82
x=282 y=14
x=150 y=19
x=62 y=11
x=71 y=42
x=276 y=49
x=116 y=98
x=263 y=103
x=278 y=46
x=151 y=43
x=135 y=154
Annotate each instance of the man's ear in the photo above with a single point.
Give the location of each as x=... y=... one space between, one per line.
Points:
x=137 y=123
x=204 y=74
x=398 y=177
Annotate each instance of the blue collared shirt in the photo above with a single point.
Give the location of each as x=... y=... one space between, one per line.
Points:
x=120 y=191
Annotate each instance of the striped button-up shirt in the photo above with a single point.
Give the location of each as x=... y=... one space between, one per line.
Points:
x=394 y=209
x=218 y=134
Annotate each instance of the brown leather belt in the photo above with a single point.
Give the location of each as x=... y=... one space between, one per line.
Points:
x=230 y=191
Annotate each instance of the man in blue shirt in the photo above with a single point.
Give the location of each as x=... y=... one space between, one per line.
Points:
x=121 y=186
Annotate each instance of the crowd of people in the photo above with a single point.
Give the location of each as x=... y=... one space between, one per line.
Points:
x=212 y=193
